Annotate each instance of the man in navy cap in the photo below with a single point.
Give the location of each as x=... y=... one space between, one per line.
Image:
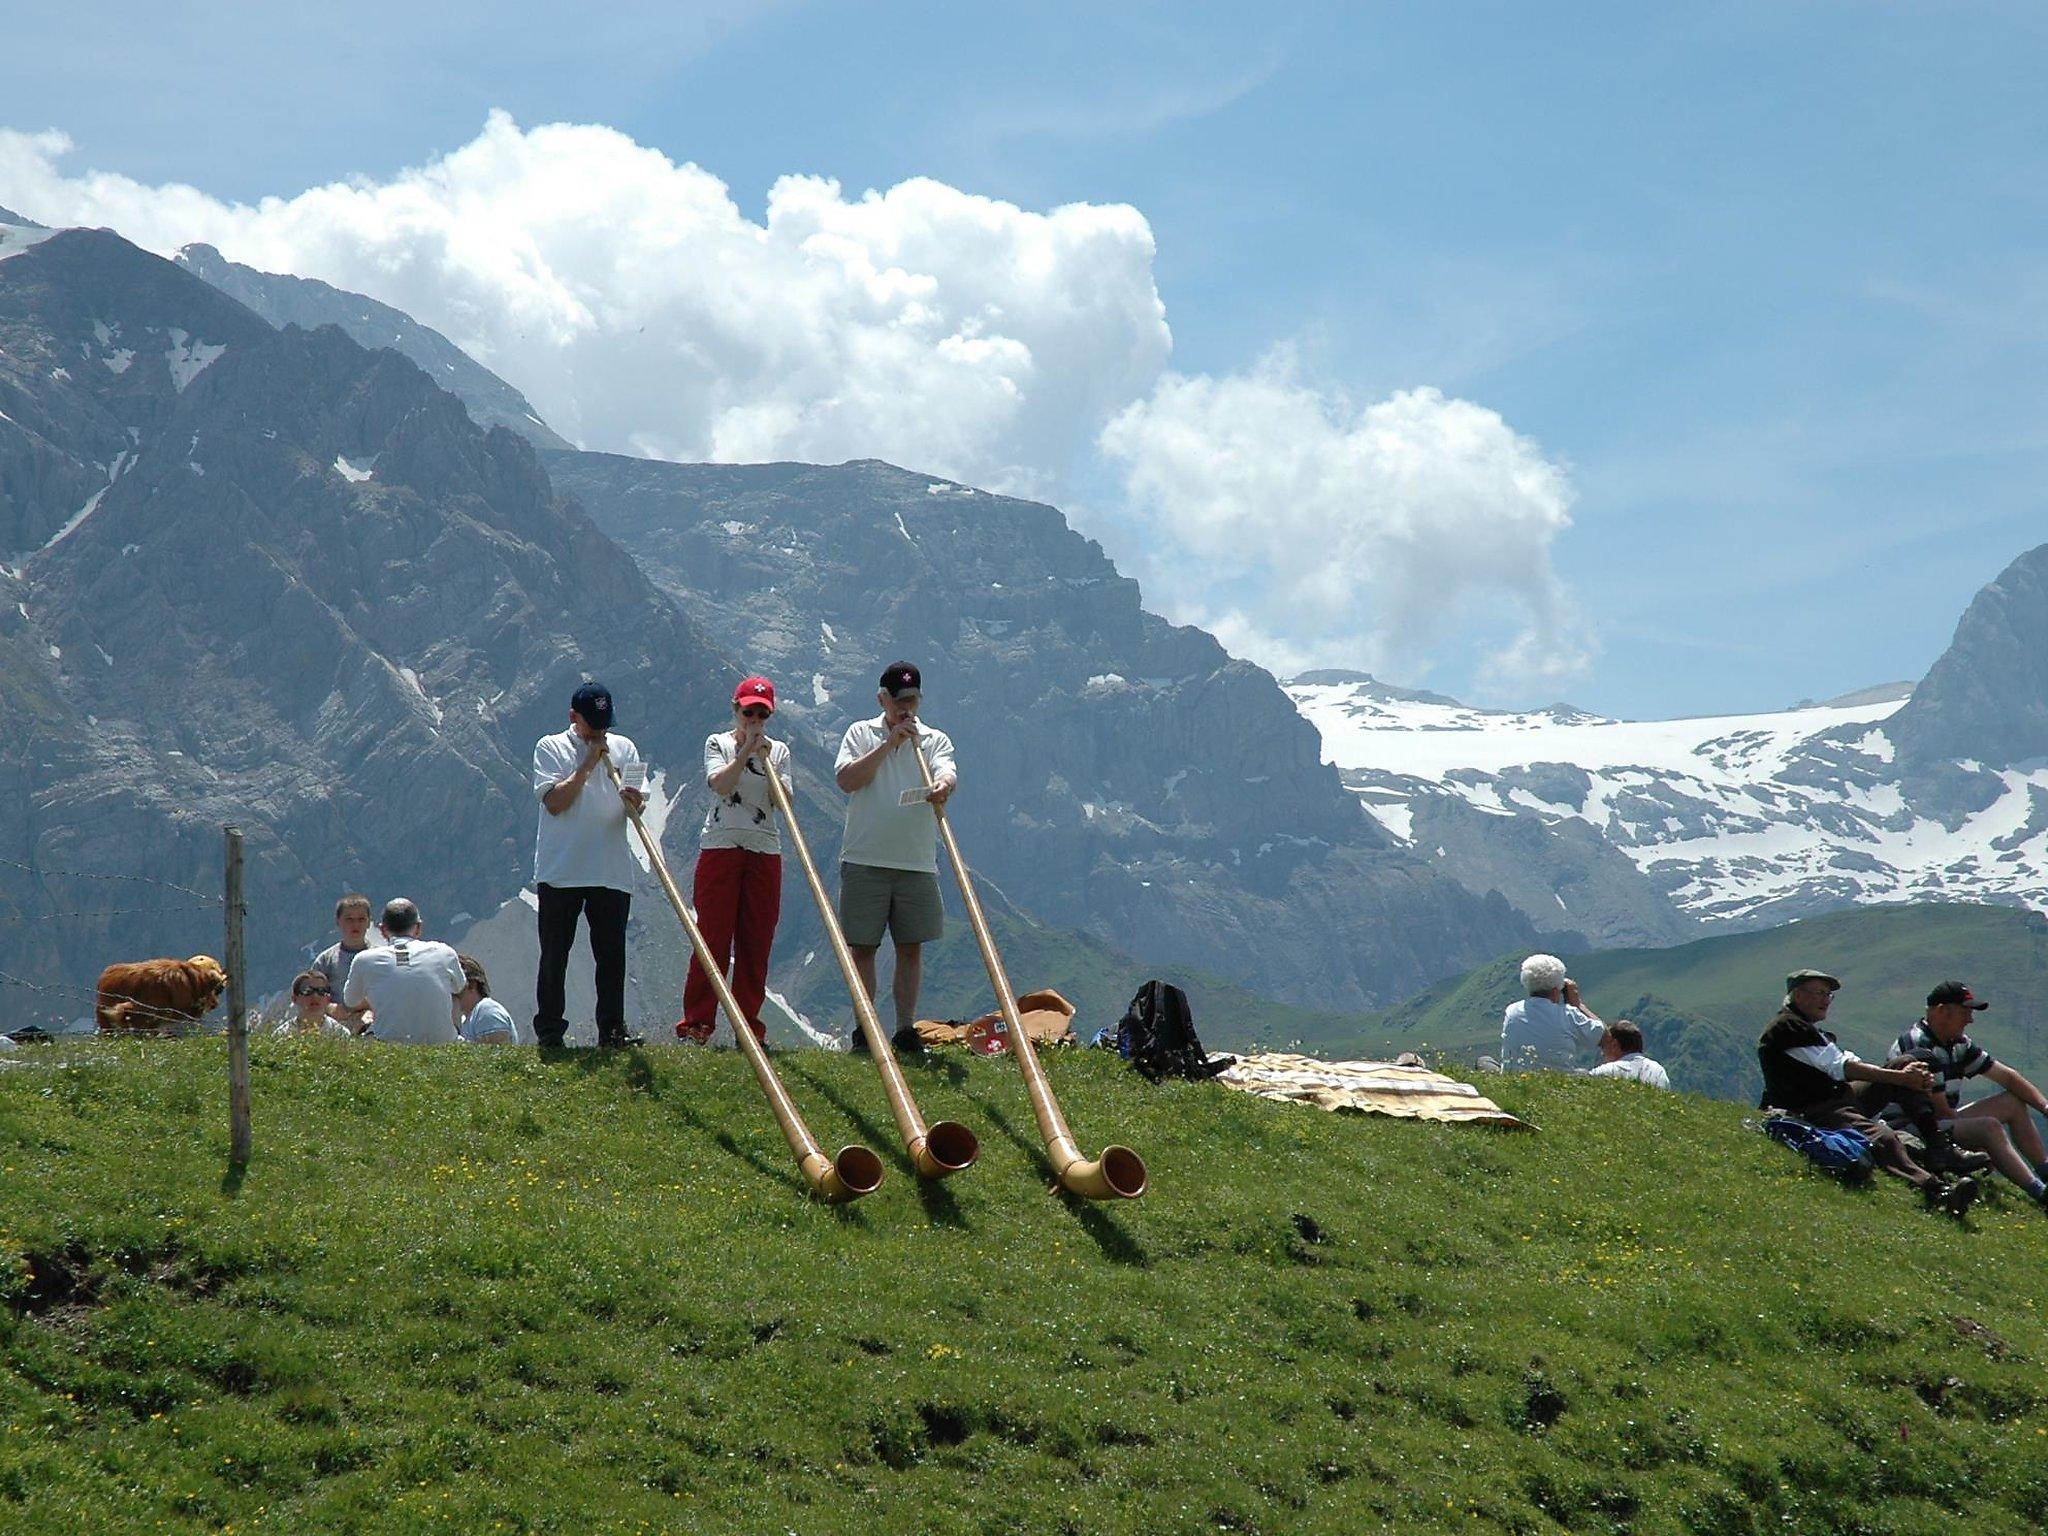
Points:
x=889 y=858
x=583 y=862
x=2001 y=1124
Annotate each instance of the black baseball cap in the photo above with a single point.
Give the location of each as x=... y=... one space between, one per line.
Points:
x=1955 y=992
x=593 y=701
x=900 y=678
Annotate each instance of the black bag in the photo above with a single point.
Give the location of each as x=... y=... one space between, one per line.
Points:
x=1157 y=1036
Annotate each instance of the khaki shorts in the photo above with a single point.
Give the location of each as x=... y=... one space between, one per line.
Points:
x=905 y=902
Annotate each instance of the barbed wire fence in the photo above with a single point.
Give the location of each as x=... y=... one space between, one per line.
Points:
x=64 y=1002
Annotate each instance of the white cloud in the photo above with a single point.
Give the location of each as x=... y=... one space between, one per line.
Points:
x=1308 y=529
x=642 y=311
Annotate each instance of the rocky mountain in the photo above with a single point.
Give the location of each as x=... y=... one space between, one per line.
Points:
x=1741 y=821
x=309 y=303
x=1122 y=776
x=269 y=577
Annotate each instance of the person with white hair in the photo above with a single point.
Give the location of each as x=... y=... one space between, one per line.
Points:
x=1547 y=1030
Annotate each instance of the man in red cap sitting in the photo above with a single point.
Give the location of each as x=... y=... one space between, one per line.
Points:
x=738 y=885
x=2000 y=1124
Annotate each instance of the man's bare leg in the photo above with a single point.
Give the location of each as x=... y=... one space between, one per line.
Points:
x=904 y=985
x=1986 y=1133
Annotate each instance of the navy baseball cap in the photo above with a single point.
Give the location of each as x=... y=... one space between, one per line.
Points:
x=900 y=678
x=593 y=701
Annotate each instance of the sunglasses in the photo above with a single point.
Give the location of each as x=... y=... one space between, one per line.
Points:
x=755 y=714
x=314 y=992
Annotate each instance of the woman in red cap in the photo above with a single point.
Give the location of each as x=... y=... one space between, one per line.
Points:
x=738 y=887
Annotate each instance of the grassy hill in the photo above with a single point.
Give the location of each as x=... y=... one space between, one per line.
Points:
x=1703 y=1004
x=468 y=1290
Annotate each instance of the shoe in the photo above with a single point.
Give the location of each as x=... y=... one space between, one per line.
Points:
x=694 y=1034
x=620 y=1042
x=1955 y=1200
x=907 y=1043
x=857 y=1042
x=1946 y=1157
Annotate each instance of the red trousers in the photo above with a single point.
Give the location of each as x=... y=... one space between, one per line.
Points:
x=738 y=896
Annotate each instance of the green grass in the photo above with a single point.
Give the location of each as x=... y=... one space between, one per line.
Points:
x=475 y=1291
x=1708 y=1001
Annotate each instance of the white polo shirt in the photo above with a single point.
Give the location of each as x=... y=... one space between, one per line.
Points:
x=880 y=830
x=410 y=984
x=589 y=843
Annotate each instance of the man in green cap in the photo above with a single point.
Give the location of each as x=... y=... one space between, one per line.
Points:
x=1809 y=1075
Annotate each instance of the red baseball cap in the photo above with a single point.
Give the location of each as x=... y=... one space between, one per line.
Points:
x=755 y=690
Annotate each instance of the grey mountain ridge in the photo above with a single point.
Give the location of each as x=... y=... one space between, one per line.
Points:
x=307 y=302
x=352 y=665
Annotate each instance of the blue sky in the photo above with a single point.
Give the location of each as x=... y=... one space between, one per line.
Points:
x=1768 y=282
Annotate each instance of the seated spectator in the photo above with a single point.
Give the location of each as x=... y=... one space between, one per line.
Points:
x=484 y=1019
x=1999 y=1124
x=1621 y=1055
x=352 y=922
x=1546 y=1030
x=408 y=982
x=1807 y=1074
x=311 y=996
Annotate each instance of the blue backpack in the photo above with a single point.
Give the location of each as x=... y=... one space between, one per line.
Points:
x=1846 y=1154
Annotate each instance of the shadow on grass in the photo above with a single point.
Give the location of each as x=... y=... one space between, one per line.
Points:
x=231 y=1182
x=940 y=1207
x=627 y=1063
x=778 y=1173
x=1109 y=1234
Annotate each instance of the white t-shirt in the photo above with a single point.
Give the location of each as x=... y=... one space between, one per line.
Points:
x=589 y=843
x=745 y=818
x=489 y=1017
x=880 y=831
x=1538 y=1033
x=410 y=984
x=1636 y=1067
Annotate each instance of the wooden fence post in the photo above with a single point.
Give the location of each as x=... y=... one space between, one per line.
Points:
x=238 y=1017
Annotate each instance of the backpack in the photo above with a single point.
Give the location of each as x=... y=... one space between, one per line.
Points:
x=1846 y=1154
x=1157 y=1036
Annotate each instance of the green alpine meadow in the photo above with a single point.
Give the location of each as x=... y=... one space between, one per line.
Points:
x=486 y=1290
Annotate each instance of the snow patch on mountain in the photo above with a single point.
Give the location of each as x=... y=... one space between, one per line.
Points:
x=1741 y=819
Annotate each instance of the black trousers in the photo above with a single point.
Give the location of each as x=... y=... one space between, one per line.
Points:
x=606 y=910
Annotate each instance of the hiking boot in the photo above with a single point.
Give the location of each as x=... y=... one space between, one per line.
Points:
x=1954 y=1200
x=857 y=1042
x=694 y=1034
x=619 y=1042
x=1948 y=1158
x=907 y=1042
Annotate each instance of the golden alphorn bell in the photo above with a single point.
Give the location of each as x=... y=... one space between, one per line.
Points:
x=1119 y=1174
x=934 y=1151
x=856 y=1171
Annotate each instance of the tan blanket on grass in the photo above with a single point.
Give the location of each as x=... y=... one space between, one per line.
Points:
x=1366 y=1087
x=1047 y=1018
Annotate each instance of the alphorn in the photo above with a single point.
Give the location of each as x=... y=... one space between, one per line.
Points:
x=934 y=1151
x=856 y=1171
x=1119 y=1174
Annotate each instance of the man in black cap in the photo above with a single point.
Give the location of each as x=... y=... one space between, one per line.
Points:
x=889 y=857
x=1808 y=1075
x=1999 y=1125
x=583 y=862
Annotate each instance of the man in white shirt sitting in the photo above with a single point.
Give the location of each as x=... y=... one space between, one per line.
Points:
x=410 y=983
x=1546 y=1030
x=1621 y=1055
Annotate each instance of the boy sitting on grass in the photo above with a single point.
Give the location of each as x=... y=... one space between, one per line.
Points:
x=310 y=998
x=352 y=921
x=484 y=1019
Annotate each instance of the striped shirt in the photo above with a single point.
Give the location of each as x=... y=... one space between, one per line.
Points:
x=1958 y=1060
